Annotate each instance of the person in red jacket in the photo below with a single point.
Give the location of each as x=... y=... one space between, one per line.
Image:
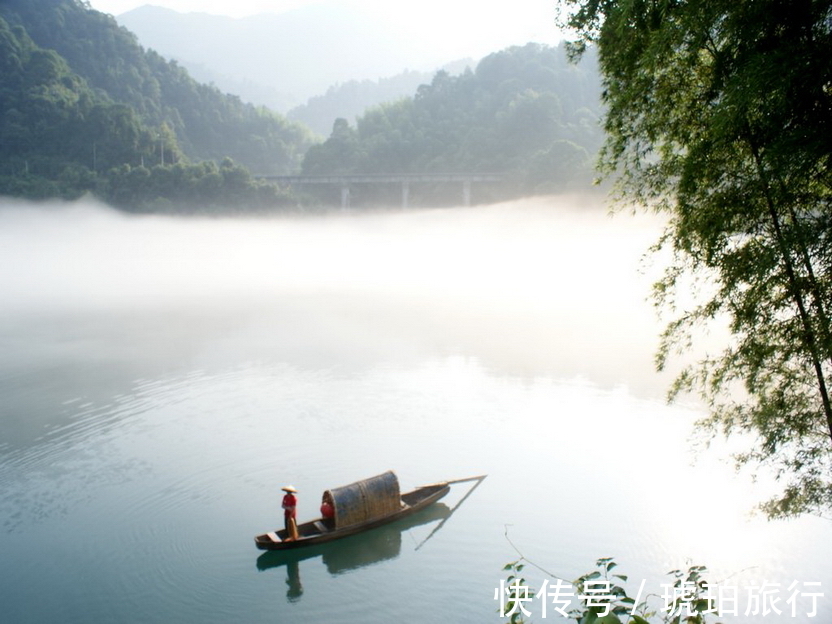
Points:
x=290 y=503
x=328 y=511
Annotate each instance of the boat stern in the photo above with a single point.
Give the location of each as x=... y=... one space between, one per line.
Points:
x=267 y=541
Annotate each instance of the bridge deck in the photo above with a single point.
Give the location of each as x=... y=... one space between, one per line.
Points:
x=375 y=178
x=405 y=179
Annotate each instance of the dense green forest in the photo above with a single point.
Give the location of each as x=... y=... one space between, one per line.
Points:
x=525 y=112
x=85 y=109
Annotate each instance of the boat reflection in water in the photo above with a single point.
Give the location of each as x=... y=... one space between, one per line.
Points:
x=351 y=553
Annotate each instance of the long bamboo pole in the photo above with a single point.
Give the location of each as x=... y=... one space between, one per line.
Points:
x=466 y=479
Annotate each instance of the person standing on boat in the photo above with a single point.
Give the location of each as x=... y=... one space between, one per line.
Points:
x=290 y=503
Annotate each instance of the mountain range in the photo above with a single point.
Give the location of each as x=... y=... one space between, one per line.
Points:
x=282 y=60
x=88 y=107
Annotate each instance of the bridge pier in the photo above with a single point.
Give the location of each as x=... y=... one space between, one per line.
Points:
x=345 y=197
x=405 y=194
x=466 y=193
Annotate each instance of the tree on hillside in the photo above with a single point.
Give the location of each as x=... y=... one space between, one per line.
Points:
x=337 y=155
x=719 y=114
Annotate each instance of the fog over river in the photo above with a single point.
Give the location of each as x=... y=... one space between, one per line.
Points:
x=162 y=377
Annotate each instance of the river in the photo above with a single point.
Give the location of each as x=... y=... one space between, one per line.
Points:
x=162 y=378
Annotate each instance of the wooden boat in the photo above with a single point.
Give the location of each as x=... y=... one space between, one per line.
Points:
x=380 y=544
x=359 y=507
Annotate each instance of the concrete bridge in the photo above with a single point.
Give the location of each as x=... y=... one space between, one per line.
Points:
x=405 y=179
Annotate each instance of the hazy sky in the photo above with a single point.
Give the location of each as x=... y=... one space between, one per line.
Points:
x=476 y=28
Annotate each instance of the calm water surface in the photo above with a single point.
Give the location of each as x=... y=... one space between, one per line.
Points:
x=161 y=379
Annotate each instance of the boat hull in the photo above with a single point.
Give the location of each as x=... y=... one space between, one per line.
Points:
x=315 y=531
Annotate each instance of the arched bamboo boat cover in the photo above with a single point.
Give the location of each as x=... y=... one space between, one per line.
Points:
x=366 y=500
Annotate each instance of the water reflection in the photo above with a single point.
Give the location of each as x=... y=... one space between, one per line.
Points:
x=352 y=553
x=478 y=483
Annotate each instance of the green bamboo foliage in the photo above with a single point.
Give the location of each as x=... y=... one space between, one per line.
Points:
x=719 y=115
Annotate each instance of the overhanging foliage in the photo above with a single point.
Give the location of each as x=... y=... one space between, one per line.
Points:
x=719 y=113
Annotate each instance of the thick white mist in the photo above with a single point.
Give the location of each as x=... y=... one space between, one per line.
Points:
x=550 y=285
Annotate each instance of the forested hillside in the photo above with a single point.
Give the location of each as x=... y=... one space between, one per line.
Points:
x=349 y=100
x=80 y=98
x=525 y=112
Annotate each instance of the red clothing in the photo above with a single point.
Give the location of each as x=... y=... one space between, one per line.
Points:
x=327 y=511
x=289 y=504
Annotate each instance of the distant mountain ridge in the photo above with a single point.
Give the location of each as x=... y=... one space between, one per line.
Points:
x=351 y=99
x=278 y=60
